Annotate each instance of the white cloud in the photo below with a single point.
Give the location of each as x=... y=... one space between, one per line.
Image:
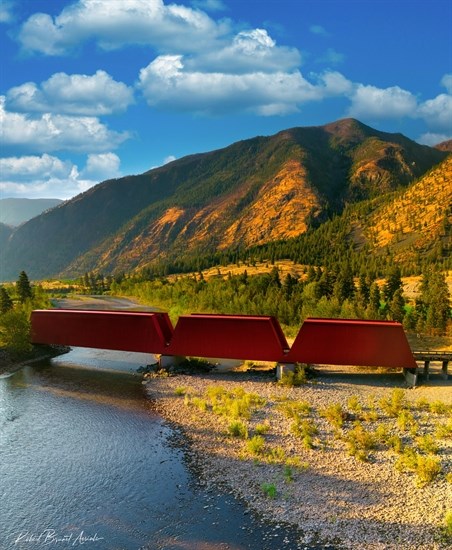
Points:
x=6 y=12
x=446 y=81
x=32 y=167
x=167 y=84
x=371 y=102
x=431 y=138
x=248 y=51
x=168 y=159
x=48 y=132
x=209 y=5
x=115 y=24
x=437 y=112
x=49 y=177
x=74 y=94
x=335 y=84
x=319 y=30
x=102 y=166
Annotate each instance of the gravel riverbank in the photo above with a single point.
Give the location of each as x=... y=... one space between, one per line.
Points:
x=316 y=484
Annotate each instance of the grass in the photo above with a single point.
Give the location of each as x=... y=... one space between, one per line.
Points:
x=394 y=404
x=296 y=378
x=335 y=414
x=427 y=468
x=255 y=445
x=269 y=490
x=238 y=429
x=295 y=409
x=359 y=442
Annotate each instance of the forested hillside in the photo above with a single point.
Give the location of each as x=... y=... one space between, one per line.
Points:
x=263 y=190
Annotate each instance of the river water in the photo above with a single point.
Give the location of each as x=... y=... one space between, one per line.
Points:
x=85 y=461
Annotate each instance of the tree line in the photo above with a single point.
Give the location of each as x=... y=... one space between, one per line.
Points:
x=320 y=292
x=17 y=301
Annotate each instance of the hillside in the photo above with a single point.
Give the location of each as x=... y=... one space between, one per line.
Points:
x=252 y=192
x=417 y=221
x=16 y=211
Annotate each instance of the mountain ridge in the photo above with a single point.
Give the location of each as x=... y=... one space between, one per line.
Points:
x=251 y=192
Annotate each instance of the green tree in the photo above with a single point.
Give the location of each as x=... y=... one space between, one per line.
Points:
x=397 y=306
x=433 y=304
x=15 y=332
x=393 y=283
x=373 y=309
x=23 y=287
x=6 y=304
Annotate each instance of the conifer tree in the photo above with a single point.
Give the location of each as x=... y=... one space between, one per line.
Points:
x=23 y=287
x=6 y=304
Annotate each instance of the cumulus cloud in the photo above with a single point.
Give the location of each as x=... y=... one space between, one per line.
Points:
x=432 y=138
x=115 y=24
x=75 y=94
x=437 y=112
x=446 y=81
x=248 y=51
x=102 y=166
x=6 y=12
x=381 y=103
x=48 y=132
x=209 y=5
x=48 y=176
x=166 y=83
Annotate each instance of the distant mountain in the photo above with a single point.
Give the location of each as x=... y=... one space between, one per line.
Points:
x=252 y=192
x=5 y=233
x=16 y=211
x=445 y=146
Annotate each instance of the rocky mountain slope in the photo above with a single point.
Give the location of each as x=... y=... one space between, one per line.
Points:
x=249 y=193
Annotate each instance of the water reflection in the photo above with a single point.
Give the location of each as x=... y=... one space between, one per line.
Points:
x=85 y=460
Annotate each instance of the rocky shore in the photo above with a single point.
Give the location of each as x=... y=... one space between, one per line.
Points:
x=344 y=483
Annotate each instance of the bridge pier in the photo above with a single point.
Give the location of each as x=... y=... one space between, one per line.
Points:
x=410 y=377
x=168 y=361
x=427 y=370
x=284 y=368
x=444 y=374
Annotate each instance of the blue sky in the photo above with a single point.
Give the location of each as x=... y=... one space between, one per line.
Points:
x=94 y=89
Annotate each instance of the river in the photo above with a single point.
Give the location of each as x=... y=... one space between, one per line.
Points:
x=85 y=461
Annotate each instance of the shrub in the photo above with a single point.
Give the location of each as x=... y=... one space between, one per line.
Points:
x=269 y=490
x=353 y=404
x=444 y=431
x=359 y=442
x=15 y=333
x=334 y=414
x=199 y=403
x=447 y=529
x=393 y=405
x=180 y=390
x=238 y=429
x=405 y=420
x=288 y=474
x=261 y=429
x=256 y=445
x=427 y=444
x=305 y=429
x=296 y=378
x=426 y=468
x=276 y=454
x=296 y=462
x=295 y=409
x=438 y=407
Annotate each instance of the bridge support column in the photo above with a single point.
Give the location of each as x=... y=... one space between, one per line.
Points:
x=167 y=361
x=426 y=370
x=283 y=368
x=410 y=377
x=444 y=374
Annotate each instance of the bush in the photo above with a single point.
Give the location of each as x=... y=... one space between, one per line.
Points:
x=269 y=490
x=238 y=429
x=334 y=414
x=360 y=442
x=296 y=378
x=393 y=405
x=295 y=409
x=15 y=333
x=256 y=445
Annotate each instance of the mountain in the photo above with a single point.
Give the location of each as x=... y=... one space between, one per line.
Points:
x=445 y=146
x=16 y=211
x=252 y=192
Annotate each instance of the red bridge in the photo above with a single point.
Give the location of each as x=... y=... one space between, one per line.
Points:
x=319 y=341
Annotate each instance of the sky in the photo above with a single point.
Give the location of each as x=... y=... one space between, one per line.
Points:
x=98 y=89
